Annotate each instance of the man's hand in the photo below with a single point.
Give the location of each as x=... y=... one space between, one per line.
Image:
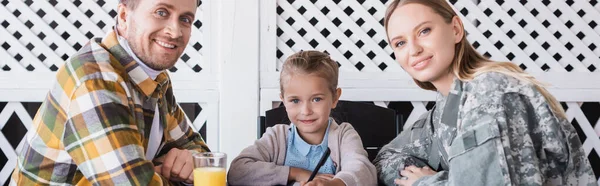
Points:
x=178 y=166
x=412 y=174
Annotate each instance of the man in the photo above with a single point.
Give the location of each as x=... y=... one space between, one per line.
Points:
x=111 y=117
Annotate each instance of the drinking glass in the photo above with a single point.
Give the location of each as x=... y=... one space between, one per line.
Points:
x=210 y=169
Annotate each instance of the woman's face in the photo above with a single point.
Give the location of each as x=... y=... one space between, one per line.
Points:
x=423 y=42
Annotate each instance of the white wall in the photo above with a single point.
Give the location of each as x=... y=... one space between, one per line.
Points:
x=239 y=63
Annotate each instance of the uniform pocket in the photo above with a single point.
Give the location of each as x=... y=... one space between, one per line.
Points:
x=420 y=135
x=473 y=138
x=474 y=157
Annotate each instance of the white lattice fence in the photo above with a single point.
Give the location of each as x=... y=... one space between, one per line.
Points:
x=38 y=36
x=536 y=36
x=554 y=40
x=16 y=119
x=45 y=33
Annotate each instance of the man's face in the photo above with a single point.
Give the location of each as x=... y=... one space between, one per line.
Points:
x=158 y=30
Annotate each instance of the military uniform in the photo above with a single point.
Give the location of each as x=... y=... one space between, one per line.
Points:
x=492 y=130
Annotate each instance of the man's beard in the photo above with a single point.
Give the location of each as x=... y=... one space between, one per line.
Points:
x=155 y=64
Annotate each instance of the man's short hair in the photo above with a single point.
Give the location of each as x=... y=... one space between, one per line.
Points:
x=132 y=4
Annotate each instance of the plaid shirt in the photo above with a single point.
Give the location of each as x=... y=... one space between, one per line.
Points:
x=94 y=126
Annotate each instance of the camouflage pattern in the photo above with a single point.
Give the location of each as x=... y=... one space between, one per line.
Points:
x=492 y=130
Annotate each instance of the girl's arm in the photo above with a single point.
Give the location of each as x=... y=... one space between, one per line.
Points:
x=256 y=164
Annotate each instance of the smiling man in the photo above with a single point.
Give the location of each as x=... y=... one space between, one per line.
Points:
x=111 y=118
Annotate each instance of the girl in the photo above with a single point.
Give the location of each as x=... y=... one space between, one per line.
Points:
x=493 y=124
x=289 y=153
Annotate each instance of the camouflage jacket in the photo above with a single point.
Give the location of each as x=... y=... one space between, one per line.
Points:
x=492 y=130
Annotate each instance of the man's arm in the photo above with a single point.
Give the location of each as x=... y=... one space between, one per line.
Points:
x=175 y=160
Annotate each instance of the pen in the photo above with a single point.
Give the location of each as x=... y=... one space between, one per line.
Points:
x=320 y=164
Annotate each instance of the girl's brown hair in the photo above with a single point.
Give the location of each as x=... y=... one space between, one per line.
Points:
x=467 y=62
x=311 y=62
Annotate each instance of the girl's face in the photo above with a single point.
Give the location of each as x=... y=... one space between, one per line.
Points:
x=308 y=101
x=423 y=43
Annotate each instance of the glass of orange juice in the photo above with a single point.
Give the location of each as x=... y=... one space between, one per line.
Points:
x=210 y=169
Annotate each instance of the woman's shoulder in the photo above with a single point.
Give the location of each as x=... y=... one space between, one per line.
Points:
x=496 y=88
x=497 y=83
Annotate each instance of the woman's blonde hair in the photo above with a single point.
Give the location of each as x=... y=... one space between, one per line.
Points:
x=467 y=62
x=311 y=62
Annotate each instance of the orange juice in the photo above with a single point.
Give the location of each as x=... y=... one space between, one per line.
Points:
x=209 y=176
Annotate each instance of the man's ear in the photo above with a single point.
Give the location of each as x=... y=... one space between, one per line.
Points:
x=122 y=18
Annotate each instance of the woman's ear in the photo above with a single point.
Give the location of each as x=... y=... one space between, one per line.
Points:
x=458 y=29
x=336 y=97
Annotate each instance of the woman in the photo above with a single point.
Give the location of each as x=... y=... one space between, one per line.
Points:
x=493 y=124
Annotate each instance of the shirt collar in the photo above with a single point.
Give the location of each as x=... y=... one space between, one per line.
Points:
x=125 y=44
x=302 y=146
x=455 y=87
x=133 y=69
